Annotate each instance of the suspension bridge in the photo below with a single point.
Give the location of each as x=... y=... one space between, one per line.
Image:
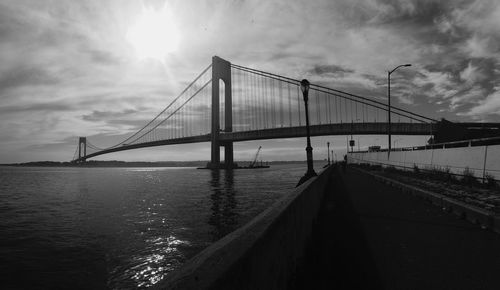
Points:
x=229 y=103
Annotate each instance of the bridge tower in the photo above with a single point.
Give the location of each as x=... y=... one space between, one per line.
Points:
x=221 y=70
x=82 y=148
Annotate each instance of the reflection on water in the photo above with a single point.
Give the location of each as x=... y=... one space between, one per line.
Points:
x=151 y=268
x=119 y=228
x=224 y=217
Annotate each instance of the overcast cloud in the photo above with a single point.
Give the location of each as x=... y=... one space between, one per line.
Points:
x=67 y=69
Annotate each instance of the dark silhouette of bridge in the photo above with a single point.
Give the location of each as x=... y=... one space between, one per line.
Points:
x=230 y=103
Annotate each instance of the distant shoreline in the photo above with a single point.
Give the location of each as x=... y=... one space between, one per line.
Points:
x=116 y=163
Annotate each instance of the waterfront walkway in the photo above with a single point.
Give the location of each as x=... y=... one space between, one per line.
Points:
x=372 y=236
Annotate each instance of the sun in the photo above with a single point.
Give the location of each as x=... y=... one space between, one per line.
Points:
x=154 y=35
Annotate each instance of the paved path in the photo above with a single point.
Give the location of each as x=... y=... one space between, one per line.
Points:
x=372 y=236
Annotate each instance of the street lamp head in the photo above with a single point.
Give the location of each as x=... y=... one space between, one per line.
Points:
x=304 y=86
x=402 y=65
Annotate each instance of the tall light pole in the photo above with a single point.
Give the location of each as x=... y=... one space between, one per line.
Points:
x=304 y=86
x=389 y=102
x=351 y=143
x=328 y=150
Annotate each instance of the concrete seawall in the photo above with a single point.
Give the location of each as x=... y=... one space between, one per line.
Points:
x=481 y=160
x=262 y=254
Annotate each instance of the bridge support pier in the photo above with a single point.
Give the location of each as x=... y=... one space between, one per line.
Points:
x=82 y=148
x=221 y=70
x=228 y=155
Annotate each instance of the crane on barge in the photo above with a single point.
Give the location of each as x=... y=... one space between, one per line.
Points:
x=254 y=162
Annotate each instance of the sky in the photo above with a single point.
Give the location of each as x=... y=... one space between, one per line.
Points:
x=74 y=68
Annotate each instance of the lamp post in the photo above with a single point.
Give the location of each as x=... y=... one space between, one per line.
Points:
x=328 y=150
x=352 y=143
x=304 y=86
x=389 y=103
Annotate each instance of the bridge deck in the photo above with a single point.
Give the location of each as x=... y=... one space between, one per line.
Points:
x=290 y=132
x=183 y=140
x=333 y=129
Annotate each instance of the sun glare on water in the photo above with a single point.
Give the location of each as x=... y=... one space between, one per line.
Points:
x=154 y=34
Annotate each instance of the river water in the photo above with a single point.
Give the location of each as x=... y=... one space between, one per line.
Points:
x=121 y=228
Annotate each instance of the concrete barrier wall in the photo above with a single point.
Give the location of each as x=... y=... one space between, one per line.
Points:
x=264 y=253
x=479 y=159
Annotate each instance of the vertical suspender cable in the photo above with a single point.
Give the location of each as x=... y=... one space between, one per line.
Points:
x=247 y=103
x=264 y=104
x=281 y=102
x=345 y=104
x=289 y=105
x=298 y=104
x=273 y=105
x=329 y=108
x=255 y=95
x=336 y=111
x=318 y=111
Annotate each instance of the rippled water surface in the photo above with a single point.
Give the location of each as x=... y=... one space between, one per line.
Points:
x=71 y=228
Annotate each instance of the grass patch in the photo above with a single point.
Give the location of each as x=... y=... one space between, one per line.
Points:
x=468 y=178
x=416 y=170
x=490 y=181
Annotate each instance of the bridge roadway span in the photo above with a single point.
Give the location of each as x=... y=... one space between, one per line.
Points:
x=290 y=132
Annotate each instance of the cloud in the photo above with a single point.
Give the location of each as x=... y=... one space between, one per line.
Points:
x=51 y=107
x=106 y=115
x=444 y=25
x=439 y=84
x=471 y=74
x=22 y=76
x=488 y=106
x=482 y=47
x=67 y=69
x=332 y=70
x=466 y=97
x=118 y=122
